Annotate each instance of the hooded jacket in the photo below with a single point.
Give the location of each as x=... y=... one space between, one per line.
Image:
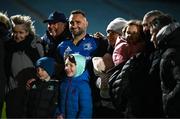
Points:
x=169 y=47
x=75 y=94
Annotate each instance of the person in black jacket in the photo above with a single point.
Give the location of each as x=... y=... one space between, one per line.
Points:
x=43 y=93
x=4 y=36
x=22 y=51
x=165 y=36
x=137 y=88
x=57 y=31
x=128 y=85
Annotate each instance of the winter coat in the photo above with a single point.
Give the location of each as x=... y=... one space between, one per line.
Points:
x=129 y=90
x=134 y=90
x=88 y=47
x=20 y=67
x=169 y=48
x=2 y=71
x=75 y=97
x=42 y=99
x=50 y=44
x=25 y=55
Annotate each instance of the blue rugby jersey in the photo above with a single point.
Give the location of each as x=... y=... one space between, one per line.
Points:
x=86 y=47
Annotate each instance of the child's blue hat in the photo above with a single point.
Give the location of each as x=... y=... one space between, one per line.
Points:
x=48 y=64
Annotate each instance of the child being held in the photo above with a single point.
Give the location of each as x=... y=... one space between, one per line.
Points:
x=43 y=93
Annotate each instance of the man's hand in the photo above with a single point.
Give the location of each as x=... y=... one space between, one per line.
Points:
x=99 y=35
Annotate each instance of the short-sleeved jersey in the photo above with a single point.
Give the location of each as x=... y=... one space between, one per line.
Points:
x=86 y=47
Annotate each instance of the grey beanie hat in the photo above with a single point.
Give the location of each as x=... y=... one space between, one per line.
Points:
x=117 y=25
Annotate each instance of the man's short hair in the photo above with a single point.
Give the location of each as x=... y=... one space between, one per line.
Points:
x=153 y=13
x=79 y=12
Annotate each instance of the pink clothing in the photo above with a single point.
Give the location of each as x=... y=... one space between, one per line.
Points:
x=123 y=51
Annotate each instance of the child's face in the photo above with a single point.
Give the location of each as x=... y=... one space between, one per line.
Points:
x=41 y=73
x=70 y=68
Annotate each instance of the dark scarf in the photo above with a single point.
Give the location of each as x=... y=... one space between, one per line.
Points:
x=25 y=45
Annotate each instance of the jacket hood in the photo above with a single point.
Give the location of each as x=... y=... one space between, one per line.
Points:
x=168 y=36
x=80 y=64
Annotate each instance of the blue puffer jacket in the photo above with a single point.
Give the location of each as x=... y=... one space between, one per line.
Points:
x=75 y=97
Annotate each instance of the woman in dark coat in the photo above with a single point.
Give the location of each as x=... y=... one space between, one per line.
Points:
x=22 y=52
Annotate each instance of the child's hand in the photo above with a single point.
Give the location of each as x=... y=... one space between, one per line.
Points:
x=28 y=83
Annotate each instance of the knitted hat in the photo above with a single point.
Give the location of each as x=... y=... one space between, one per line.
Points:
x=80 y=64
x=117 y=25
x=48 y=64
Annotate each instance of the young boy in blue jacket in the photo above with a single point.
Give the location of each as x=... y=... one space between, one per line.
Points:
x=75 y=93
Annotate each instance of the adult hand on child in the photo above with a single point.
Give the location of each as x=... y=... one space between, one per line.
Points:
x=29 y=83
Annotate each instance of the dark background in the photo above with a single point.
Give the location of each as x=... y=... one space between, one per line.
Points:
x=99 y=12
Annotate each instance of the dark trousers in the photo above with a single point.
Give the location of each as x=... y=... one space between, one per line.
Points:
x=15 y=103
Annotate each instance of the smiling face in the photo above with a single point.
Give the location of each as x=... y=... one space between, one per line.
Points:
x=56 y=29
x=20 y=32
x=70 y=67
x=77 y=24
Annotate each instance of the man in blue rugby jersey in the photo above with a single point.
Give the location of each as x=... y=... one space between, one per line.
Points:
x=85 y=45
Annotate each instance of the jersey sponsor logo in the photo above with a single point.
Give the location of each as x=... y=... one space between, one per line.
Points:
x=68 y=49
x=87 y=46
